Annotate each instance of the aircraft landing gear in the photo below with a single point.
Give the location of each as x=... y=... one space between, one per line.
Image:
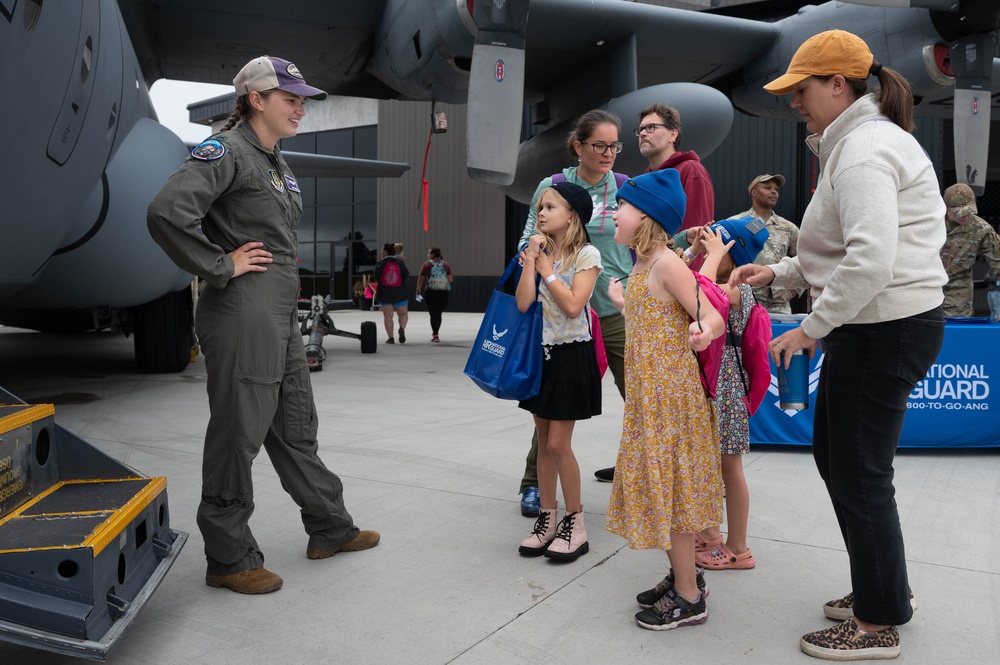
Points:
x=316 y=323
x=164 y=333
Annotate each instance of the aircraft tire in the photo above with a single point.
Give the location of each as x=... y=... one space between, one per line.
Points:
x=369 y=337
x=164 y=333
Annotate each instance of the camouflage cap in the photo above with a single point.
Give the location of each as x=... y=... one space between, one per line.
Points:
x=960 y=199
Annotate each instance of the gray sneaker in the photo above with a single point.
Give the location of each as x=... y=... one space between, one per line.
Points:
x=649 y=597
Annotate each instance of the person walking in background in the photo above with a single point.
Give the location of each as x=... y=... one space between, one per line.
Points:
x=667 y=484
x=433 y=284
x=869 y=248
x=970 y=237
x=568 y=265
x=594 y=143
x=230 y=215
x=743 y=240
x=390 y=275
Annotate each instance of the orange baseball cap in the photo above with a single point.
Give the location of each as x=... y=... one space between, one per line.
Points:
x=828 y=53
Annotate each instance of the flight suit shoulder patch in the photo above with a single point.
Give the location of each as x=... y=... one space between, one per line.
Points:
x=209 y=150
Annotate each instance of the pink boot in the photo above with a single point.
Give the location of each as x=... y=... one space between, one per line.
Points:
x=543 y=535
x=571 y=540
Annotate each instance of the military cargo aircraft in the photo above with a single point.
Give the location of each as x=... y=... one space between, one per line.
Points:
x=85 y=153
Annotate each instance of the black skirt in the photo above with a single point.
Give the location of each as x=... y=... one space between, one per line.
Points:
x=571 y=384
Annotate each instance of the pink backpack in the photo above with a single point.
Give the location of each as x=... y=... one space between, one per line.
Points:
x=755 y=361
x=391 y=276
x=710 y=360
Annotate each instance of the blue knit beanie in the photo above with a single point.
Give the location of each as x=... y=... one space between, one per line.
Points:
x=658 y=194
x=748 y=232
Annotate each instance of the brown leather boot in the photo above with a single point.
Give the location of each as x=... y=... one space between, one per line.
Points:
x=252 y=581
x=363 y=541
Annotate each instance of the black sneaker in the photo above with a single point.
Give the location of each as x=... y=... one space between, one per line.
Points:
x=390 y=341
x=605 y=475
x=402 y=336
x=648 y=598
x=673 y=611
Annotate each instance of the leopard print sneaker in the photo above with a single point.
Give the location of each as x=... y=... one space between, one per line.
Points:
x=845 y=641
x=839 y=609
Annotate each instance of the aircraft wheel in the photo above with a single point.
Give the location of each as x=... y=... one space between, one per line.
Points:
x=164 y=333
x=369 y=337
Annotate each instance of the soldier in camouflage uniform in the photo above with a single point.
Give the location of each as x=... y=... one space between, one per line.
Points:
x=782 y=239
x=969 y=237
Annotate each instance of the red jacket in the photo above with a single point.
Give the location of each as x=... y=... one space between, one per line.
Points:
x=697 y=186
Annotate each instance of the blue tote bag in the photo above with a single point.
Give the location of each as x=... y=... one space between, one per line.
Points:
x=506 y=358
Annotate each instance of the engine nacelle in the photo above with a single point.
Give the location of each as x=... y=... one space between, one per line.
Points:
x=107 y=258
x=425 y=55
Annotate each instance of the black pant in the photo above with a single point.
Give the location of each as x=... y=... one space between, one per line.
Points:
x=867 y=376
x=437 y=302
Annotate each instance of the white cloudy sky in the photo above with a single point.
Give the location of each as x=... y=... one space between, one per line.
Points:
x=171 y=98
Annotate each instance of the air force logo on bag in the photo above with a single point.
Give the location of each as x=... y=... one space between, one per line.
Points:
x=492 y=347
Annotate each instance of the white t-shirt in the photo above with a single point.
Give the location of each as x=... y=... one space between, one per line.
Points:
x=557 y=328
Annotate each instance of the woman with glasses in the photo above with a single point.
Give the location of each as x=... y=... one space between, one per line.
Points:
x=594 y=143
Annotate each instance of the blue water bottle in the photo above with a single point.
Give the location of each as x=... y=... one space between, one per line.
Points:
x=793 y=383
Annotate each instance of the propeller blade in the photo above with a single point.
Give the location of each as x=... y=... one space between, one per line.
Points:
x=972 y=62
x=496 y=90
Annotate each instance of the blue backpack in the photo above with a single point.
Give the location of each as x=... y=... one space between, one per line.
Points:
x=438 y=280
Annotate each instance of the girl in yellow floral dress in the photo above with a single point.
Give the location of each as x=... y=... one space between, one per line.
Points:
x=668 y=483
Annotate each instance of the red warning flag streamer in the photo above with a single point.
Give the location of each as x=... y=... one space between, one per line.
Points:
x=423 y=176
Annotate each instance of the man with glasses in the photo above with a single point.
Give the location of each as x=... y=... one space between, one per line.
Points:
x=659 y=133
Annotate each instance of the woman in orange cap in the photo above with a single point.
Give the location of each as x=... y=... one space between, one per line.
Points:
x=869 y=250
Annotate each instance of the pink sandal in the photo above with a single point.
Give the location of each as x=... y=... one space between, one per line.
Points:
x=722 y=558
x=702 y=545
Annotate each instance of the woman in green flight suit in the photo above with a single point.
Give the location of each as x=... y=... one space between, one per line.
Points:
x=230 y=215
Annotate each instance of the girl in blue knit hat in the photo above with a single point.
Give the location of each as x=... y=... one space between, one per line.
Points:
x=734 y=242
x=560 y=254
x=667 y=484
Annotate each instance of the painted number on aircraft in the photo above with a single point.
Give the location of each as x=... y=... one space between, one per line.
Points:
x=500 y=71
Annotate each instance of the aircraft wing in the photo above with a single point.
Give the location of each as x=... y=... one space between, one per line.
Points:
x=209 y=42
x=309 y=165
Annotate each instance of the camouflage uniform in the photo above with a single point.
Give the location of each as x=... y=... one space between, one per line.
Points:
x=965 y=243
x=782 y=241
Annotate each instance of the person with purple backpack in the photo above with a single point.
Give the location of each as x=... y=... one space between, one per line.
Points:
x=594 y=143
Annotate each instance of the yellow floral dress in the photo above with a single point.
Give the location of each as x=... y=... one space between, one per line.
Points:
x=668 y=476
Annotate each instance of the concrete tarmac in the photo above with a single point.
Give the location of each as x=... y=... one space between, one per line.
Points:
x=434 y=464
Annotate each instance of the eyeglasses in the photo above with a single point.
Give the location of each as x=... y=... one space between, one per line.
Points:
x=650 y=128
x=600 y=147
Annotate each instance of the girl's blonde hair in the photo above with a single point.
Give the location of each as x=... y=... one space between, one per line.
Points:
x=575 y=238
x=648 y=235
x=726 y=268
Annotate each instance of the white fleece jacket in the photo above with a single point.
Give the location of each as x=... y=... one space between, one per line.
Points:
x=871 y=237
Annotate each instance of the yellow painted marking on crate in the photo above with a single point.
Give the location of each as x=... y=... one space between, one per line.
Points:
x=29 y=414
x=108 y=531
x=16 y=513
x=100 y=536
